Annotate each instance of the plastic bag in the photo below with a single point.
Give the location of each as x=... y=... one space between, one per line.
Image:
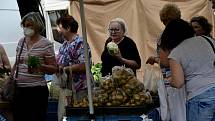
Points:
x=65 y=98
x=177 y=103
x=164 y=106
x=172 y=102
x=60 y=79
x=152 y=74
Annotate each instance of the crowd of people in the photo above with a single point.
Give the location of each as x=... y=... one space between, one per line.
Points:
x=185 y=56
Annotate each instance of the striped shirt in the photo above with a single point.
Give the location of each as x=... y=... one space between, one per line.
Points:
x=42 y=49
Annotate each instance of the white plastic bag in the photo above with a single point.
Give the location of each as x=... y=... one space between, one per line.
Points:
x=152 y=74
x=172 y=102
x=60 y=79
x=177 y=102
x=164 y=106
x=65 y=98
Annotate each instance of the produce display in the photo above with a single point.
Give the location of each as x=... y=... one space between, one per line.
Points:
x=122 y=88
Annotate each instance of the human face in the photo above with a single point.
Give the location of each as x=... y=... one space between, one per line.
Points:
x=62 y=31
x=198 y=28
x=115 y=31
x=28 y=29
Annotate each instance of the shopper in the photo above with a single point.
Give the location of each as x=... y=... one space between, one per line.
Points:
x=176 y=97
x=31 y=95
x=201 y=26
x=71 y=58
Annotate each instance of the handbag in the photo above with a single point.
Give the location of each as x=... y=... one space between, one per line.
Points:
x=9 y=87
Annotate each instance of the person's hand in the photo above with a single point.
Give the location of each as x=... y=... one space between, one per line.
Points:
x=151 y=60
x=118 y=55
x=67 y=69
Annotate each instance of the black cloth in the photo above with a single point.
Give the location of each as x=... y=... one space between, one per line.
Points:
x=128 y=50
x=30 y=103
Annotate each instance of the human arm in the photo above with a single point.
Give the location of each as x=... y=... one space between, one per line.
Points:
x=128 y=62
x=49 y=66
x=5 y=60
x=77 y=55
x=128 y=54
x=177 y=74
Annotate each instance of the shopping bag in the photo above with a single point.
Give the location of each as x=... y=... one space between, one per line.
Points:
x=164 y=106
x=177 y=103
x=60 y=79
x=65 y=98
x=152 y=74
x=172 y=102
x=8 y=89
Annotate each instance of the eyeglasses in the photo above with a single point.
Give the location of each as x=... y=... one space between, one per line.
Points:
x=114 y=30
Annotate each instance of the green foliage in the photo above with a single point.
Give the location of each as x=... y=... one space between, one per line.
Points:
x=33 y=61
x=96 y=71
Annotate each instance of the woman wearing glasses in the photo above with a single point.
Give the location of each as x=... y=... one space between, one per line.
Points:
x=127 y=53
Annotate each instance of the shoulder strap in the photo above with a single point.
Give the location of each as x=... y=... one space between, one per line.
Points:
x=18 y=59
x=210 y=44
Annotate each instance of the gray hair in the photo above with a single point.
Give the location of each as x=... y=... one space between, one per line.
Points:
x=36 y=19
x=122 y=24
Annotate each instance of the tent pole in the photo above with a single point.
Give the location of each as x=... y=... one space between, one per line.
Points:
x=87 y=61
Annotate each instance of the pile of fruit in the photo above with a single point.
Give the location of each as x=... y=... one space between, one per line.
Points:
x=122 y=88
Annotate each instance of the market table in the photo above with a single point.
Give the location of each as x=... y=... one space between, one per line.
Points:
x=122 y=113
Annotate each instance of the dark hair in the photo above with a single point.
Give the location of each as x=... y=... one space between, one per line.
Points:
x=203 y=22
x=175 y=32
x=68 y=22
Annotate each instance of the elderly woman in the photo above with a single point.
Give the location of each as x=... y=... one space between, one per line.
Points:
x=71 y=58
x=191 y=60
x=127 y=55
x=201 y=26
x=31 y=96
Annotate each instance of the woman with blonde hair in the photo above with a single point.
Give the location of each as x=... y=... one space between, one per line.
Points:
x=31 y=95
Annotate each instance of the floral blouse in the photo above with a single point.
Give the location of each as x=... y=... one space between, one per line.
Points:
x=73 y=53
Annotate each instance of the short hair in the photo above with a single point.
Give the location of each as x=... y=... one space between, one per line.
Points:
x=68 y=22
x=203 y=22
x=170 y=12
x=121 y=22
x=36 y=19
x=175 y=32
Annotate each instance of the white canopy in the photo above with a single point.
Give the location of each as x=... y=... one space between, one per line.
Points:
x=50 y=5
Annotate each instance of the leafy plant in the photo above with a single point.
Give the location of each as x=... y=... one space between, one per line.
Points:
x=33 y=61
x=96 y=71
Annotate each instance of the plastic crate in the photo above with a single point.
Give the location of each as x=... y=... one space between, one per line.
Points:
x=52 y=110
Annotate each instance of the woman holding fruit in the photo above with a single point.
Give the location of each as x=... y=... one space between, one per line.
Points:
x=119 y=49
x=34 y=57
